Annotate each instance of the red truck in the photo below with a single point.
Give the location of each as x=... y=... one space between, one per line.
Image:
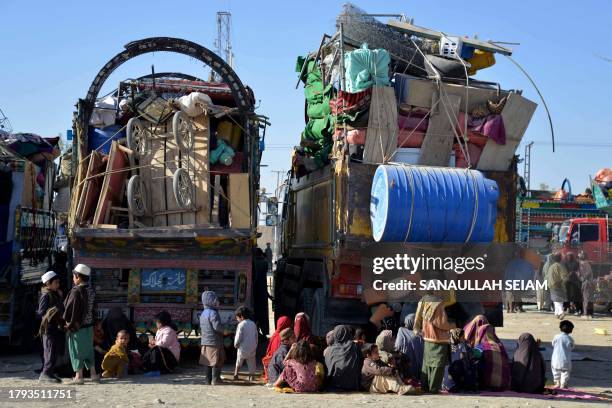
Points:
x=591 y=235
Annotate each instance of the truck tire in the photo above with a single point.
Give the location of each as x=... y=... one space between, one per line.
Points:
x=317 y=319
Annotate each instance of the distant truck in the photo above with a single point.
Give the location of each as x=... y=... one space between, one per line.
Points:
x=27 y=236
x=591 y=235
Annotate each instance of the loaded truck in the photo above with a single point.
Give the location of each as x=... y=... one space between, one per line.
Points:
x=418 y=110
x=164 y=197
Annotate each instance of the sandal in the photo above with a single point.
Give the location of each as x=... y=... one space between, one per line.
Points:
x=95 y=379
x=74 y=381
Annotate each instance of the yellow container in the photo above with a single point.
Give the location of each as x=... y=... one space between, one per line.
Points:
x=481 y=60
x=231 y=133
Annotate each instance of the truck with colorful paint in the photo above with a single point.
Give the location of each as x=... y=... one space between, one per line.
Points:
x=398 y=101
x=164 y=199
x=27 y=231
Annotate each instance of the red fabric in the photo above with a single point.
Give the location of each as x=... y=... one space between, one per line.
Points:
x=410 y=138
x=301 y=328
x=347 y=102
x=357 y=136
x=282 y=323
x=474 y=137
x=416 y=121
x=473 y=150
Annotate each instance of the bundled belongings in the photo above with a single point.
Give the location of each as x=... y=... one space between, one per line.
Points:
x=152 y=144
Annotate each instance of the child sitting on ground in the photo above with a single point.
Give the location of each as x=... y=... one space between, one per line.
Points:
x=561 y=361
x=378 y=377
x=277 y=363
x=461 y=374
x=245 y=341
x=360 y=336
x=116 y=360
x=300 y=372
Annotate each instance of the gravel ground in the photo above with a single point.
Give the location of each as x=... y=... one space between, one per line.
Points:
x=185 y=388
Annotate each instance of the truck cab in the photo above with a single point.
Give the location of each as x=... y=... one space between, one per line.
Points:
x=591 y=235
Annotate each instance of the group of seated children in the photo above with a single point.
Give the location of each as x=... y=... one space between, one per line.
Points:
x=406 y=360
x=427 y=354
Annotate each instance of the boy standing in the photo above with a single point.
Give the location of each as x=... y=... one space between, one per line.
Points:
x=78 y=315
x=50 y=309
x=561 y=361
x=212 y=355
x=245 y=341
x=431 y=320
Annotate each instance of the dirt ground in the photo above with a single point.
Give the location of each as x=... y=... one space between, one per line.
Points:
x=185 y=389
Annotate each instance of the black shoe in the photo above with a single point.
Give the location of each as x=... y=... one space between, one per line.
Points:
x=216 y=376
x=48 y=379
x=208 y=373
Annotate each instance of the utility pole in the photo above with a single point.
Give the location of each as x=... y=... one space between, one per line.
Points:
x=223 y=42
x=278 y=173
x=527 y=167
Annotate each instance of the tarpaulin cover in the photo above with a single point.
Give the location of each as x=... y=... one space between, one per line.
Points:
x=31 y=146
x=365 y=68
x=317 y=135
x=101 y=139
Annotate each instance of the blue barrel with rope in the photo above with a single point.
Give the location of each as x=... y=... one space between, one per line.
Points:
x=432 y=204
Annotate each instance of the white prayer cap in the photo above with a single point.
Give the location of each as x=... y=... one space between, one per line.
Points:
x=48 y=276
x=82 y=269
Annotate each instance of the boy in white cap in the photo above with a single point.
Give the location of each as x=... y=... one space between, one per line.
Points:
x=49 y=308
x=79 y=315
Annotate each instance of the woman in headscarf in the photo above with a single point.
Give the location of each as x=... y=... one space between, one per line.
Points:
x=557 y=278
x=386 y=346
x=528 y=369
x=113 y=323
x=573 y=285
x=344 y=361
x=471 y=329
x=588 y=285
x=301 y=328
x=494 y=366
x=410 y=345
x=274 y=343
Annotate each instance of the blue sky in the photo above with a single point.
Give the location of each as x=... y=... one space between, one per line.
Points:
x=51 y=51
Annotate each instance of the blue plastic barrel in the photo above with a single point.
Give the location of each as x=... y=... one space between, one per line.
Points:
x=432 y=204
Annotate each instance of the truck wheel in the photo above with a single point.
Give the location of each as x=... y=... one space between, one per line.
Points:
x=317 y=319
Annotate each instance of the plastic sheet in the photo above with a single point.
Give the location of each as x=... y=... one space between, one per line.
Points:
x=366 y=68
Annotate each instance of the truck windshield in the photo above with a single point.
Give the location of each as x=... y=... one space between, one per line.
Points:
x=563 y=230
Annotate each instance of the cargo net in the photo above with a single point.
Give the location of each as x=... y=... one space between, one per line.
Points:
x=360 y=27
